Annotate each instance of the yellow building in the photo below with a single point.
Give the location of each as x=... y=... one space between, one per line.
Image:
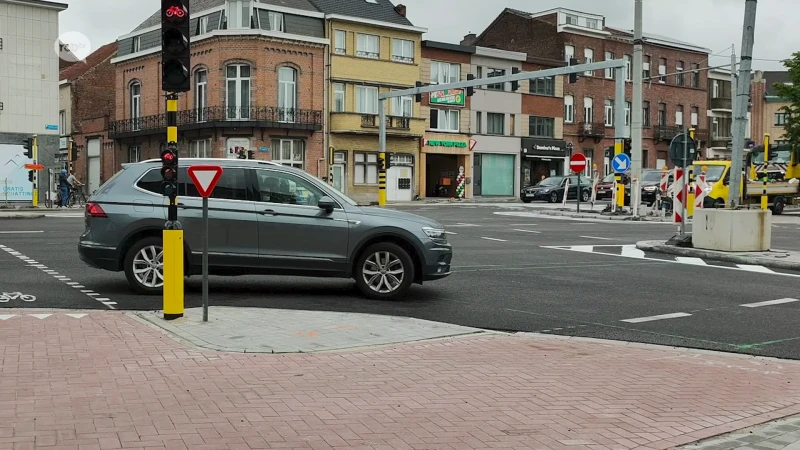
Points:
x=374 y=49
x=766 y=110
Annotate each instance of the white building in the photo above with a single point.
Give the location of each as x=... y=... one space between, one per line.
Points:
x=29 y=76
x=496 y=125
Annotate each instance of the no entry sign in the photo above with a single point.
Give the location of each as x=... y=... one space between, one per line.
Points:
x=577 y=163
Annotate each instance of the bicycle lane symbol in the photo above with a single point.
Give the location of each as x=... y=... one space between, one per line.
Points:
x=5 y=297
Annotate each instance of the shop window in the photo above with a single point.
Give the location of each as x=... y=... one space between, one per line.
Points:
x=365 y=168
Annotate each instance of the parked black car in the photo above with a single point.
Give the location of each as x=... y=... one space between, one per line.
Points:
x=552 y=189
x=651 y=179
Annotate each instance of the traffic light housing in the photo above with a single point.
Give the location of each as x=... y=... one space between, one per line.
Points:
x=74 y=153
x=28 y=145
x=175 y=52
x=626 y=147
x=514 y=84
x=30 y=176
x=418 y=97
x=471 y=89
x=573 y=77
x=169 y=169
x=251 y=154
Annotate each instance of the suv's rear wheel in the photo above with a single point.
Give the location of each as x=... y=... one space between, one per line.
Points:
x=384 y=271
x=144 y=266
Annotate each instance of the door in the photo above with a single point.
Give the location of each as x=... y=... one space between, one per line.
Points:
x=339 y=174
x=232 y=224
x=399 y=180
x=497 y=174
x=477 y=185
x=294 y=235
x=93 y=162
x=238 y=92
x=287 y=94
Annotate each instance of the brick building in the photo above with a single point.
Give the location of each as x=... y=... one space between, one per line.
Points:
x=87 y=102
x=766 y=114
x=675 y=79
x=258 y=81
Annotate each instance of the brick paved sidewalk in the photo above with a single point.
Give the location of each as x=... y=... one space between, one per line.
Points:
x=105 y=381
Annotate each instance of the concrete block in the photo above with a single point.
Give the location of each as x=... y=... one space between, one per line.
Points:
x=732 y=230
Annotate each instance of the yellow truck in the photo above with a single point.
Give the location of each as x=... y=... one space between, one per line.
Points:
x=778 y=177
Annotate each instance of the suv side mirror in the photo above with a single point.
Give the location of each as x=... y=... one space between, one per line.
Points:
x=327 y=204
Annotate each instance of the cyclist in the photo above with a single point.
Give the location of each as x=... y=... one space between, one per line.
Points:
x=73 y=183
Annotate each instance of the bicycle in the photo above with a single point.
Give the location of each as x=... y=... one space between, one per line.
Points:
x=76 y=196
x=6 y=296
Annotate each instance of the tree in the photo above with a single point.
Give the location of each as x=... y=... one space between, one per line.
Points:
x=791 y=93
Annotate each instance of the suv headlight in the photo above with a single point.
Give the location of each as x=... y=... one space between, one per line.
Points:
x=649 y=188
x=436 y=234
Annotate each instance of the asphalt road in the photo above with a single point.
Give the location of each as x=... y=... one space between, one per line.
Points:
x=513 y=271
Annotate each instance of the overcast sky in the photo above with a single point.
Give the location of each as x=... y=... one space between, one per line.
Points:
x=714 y=24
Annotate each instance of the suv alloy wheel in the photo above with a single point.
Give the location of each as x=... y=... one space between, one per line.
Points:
x=384 y=271
x=144 y=266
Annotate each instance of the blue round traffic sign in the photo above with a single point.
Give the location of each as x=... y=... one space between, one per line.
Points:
x=621 y=163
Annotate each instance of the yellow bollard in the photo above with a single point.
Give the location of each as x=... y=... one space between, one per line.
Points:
x=620 y=186
x=382 y=180
x=173 y=274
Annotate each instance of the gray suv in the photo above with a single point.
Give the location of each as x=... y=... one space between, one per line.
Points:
x=265 y=218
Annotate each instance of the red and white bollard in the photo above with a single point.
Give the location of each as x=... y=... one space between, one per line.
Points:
x=700 y=190
x=678 y=196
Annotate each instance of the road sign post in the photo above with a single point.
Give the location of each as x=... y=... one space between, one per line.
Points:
x=621 y=164
x=205 y=178
x=682 y=151
x=577 y=163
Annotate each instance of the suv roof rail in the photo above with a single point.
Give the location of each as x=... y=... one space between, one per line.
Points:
x=271 y=163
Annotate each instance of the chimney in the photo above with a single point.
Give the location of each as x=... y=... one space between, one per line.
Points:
x=469 y=40
x=401 y=9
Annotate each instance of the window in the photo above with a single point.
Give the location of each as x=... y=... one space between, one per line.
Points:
x=588 y=58
x=569 y=109
x=402 y=50
x=695 y=115
x=495 y=123
x=202 y=25
x=662 y=70
x=572 y=20
x=367 y=99
x=496 y=73
x=150 y=181
x=275 y=21
x=232 y=185
x=662 y=114
x=286 y=189
x=367 y=46
x=201 y=94
x=645 y=114
x=478 y=122
x=442 y=72
x=238 y=91
x=628 y=113
x=339 y=39
x=134 y=154
x=609 y=113
x=338 y=97
x=136 y=104
x=569 y=53
x=715 y=89
x=512 y=128
x=287 y=94
x=628 y=68
x=288 y=152
x=445 y=119
x=543 y=86
x=541 y=126
x=592 y=23
x=645 y=67
x=679 y=115
x=366 y=168
x=609 y=72
x=200 y=149
x=62 y=123
x=238 y=14
x=136 y=44
x=780 y=119
x=695 y=75
x=403 y=106
x=679 y=75
x=588 y=109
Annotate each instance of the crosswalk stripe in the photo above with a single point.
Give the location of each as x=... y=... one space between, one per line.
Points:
x=752 y=268
x=690 y=260
x=659 y=317
x=632 y=252
x=770 y=302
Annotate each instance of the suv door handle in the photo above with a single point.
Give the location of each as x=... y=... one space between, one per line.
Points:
x=269 y=212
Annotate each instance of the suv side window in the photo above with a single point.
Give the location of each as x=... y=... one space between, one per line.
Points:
x=151 y=181
x=232 y=185
x=285 y=188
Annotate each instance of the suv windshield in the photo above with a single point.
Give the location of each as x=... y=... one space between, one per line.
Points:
x=552 y=181
x=651 y=175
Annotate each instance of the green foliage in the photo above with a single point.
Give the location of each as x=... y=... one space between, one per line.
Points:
x=791 y=92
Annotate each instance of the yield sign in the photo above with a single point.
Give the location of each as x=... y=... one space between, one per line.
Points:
x=205 y=178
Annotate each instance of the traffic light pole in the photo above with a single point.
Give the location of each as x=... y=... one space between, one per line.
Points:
x=35 y=172
x=172 y=258
x=620 y=134
x=382 y=151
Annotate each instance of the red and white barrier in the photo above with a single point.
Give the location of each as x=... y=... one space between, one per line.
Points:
x=566 y=194
x=664 y=181
x=678 y=196
x=700 y=190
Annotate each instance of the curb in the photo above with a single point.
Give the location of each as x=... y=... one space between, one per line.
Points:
x=598 y=216
x=660 y=247
x=20 y=216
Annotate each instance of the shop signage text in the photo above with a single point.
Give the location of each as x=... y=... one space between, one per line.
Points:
x=454 y=97
x=547 y=148
x=432 y=143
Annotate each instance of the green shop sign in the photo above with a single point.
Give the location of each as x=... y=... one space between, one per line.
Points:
x=455 y=97
x=446 y=144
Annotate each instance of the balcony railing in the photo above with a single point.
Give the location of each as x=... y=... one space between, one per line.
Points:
x=213 y=116
x=594 y=130
x=392 y=122
x=720 y=103
x=666 y=133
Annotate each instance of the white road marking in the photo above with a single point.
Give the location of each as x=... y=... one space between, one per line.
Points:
x=21 y=232
x=522 y=224
x=752 y=268
x=494 y=239
x=6 y=316
x=40 y=316
x=595 y=237
x=77 y=316
x=65 y=216
x=632 y=252
x=780 y=301
x=690 y=260
x=462 y=225
x=528 y=231
x=449 y=232
x=659 y=317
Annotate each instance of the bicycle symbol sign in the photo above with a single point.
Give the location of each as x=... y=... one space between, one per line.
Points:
x=6 y=296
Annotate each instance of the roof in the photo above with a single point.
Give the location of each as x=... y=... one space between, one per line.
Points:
x=381 y=10
x=78 y=69
x=772 y=77
x=662 y=40
x=196 y=6
x=44 y=4
x=447 y=46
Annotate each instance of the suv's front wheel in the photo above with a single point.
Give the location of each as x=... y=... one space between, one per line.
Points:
x=384 y=271
x=144 y=266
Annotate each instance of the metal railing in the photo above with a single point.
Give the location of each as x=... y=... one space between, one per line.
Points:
x=591 y=130
x=392 y=122
x=270 y=114
x=666 y=133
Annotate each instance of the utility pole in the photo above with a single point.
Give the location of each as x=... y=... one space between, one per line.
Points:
x=636 y=106
x=742 y=100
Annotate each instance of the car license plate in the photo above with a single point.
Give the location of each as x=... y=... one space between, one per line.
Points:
x=602 y=191
x=530 y=195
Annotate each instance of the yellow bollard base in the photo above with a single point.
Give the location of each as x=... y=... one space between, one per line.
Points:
x=173 y=274
x=382 y=197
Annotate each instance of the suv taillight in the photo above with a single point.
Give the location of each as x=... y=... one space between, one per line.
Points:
x=94 y=210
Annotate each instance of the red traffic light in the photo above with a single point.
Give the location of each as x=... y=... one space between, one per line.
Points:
x=175 y=13
x=168 y=156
